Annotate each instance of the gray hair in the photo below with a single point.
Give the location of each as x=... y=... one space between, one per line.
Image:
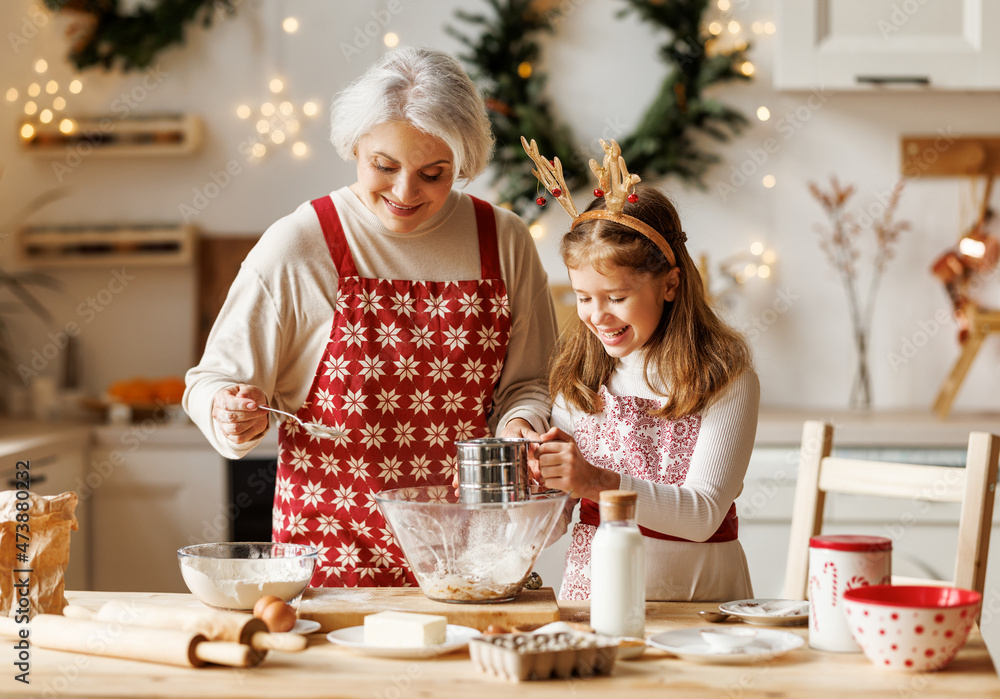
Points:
x=425 y=88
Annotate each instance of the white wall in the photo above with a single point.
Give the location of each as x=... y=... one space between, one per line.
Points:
x=603 y=71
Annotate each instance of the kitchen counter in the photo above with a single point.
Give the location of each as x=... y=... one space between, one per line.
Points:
x=325 y=670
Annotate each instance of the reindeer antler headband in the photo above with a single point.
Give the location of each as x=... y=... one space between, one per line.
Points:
x=614 y=181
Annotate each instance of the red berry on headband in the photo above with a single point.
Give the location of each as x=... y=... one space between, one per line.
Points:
x=540 y=201
x=633 y=198
x=557 y=192
x=598 y=192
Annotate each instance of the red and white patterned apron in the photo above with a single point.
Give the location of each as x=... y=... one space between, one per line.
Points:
x=627 y=440
x=409 y=370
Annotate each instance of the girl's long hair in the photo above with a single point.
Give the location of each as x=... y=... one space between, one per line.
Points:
x=691 y=356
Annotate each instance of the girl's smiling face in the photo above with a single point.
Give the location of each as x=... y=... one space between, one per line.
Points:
x=621 y=306
x=404 y=175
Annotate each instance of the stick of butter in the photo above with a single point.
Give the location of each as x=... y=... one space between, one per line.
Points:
x=404 y=629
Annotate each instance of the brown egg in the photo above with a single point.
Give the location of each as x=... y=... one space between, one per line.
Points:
x=279 y=617
x=266 y=600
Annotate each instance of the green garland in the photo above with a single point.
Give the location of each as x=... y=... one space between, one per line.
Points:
x=517 y=104
x=106 y=36
x=666 y=140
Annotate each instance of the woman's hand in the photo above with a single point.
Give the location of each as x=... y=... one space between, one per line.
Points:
x=562 y=466
x=234 y=410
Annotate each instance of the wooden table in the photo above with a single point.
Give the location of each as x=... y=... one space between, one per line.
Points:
x=325 y=670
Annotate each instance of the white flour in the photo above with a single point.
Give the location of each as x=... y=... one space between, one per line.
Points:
x=239 y=583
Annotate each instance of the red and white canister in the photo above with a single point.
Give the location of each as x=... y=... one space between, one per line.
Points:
x=837 y=563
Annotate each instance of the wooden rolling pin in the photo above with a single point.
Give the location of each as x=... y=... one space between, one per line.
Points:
x=166 y=646
x=215 y=625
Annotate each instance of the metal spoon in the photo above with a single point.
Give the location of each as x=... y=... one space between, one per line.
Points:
x=713 y=617
x=316 y=429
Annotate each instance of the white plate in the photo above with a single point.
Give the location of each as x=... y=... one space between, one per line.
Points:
x=769 y=612
x=305 y=626
x=354 y=637
x=689 y=645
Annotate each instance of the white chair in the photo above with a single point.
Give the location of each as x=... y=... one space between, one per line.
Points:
x=973 y=486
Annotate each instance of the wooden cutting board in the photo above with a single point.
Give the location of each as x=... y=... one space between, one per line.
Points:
x=337 y=608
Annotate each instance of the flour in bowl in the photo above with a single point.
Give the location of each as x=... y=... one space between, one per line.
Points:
x=239 y=583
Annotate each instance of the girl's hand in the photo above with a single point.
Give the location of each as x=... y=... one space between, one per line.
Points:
x=234 y=410
x=562 y=466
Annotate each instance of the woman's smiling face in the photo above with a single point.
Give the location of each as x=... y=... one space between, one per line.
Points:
x=621 y=306
x=404 y=175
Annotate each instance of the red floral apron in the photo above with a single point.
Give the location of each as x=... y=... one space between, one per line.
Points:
x=627 y=440
x=409 y=370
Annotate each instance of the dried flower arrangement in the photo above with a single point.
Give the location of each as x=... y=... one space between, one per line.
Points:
x=840 y=240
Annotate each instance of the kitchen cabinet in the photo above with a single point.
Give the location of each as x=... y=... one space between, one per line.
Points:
x=162 y=487
x=57 y=465
x=869 y=44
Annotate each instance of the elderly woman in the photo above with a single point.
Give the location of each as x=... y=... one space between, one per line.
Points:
x=403 y=312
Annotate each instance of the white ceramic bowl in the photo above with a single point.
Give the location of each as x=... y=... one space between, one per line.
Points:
x=913 y=628
x=234 y=575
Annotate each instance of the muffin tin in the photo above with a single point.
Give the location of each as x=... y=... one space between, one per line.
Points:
x=541 y=656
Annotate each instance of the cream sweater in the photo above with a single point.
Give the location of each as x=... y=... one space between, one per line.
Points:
x=687 y=570
x=275 y=323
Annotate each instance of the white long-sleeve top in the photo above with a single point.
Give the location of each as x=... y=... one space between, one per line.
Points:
x=694 y=509
x=275 y=323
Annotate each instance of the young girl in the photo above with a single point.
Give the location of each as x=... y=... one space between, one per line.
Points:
x=653 y=393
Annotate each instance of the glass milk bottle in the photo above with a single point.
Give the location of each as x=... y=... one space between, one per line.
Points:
x=618 y=568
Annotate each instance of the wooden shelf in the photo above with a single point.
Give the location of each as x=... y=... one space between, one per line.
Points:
x=84 y=246
x=151 y=135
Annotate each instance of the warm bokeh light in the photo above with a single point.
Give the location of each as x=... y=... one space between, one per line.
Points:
x=45 y=116
x=750 y=270
x=259 y=150
x=75 y=86
x=300 y=149
x=756 y=247
x=34 y=90
x=537 y=231
x=27 y=131
x=768 y=181
x=267 y=109
x=59 y=103
x=715 y=28
x=290 y=25
x=763 y=113
x=769 y=257
x=391 y=40
x=724 y=5
x=763 y=271
x=769 y=28
x=276 y=85
x=310 y=109
x=757 y=27
x=524 y=69
x=263 y=126
x=12 y=94
x=286 y=108
x=970 y=247
x=277 y=137
x=243 y=111
x=747 y=68
x=52 y=87
x=41 y=65
x=734 y=27
x=67 y=126
x=30 y=108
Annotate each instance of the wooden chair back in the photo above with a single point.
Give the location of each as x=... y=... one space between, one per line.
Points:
x=820 y=473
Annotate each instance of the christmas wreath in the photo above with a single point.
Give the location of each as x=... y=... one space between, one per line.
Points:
x=103 y=35
x=666 y=140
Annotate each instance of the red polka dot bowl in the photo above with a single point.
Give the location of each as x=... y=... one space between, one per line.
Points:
x=912 y=628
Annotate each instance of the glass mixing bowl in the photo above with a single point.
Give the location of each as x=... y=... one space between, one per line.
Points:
x=469 y=552
x=234 y=575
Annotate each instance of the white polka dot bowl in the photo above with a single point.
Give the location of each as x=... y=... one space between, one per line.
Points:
x=912 y=628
